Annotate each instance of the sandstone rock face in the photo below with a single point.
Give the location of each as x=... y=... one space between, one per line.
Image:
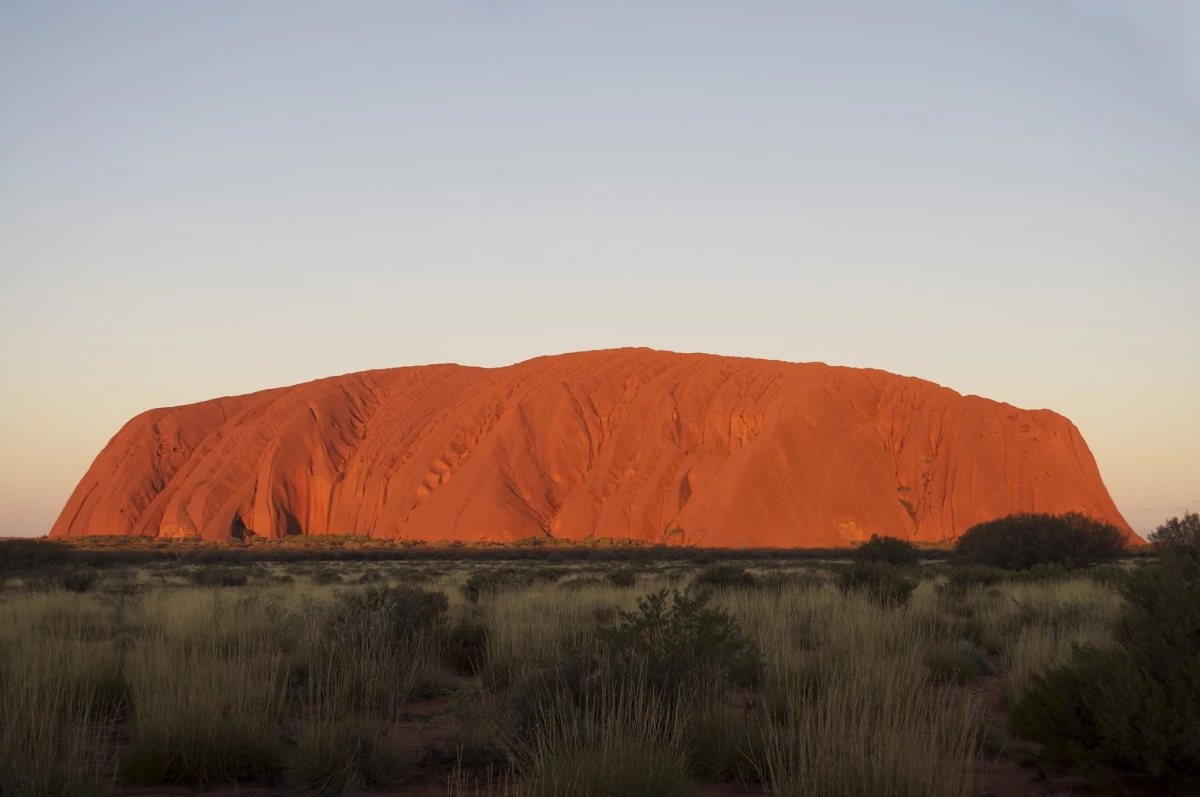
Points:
x=657 y=446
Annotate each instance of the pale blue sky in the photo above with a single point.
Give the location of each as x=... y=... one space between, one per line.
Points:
x=211 y=198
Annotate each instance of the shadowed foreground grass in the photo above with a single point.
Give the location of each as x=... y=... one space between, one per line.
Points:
x=562 y=680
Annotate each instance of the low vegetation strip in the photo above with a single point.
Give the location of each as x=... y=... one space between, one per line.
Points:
x=886 y=674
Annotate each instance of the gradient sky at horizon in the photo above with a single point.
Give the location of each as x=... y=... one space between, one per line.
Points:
x=212 y=198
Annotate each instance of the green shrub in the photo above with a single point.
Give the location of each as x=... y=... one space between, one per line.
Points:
x=724 y=576
x=31 y=554
x=371 y=576
x=681 y=642
x=623 y=577
x=466 y=645
x=956 y=663
x=207 y=576
x=961 y=579
x=121 y=587
x=882 y=583
x=1043 y=572
x=78 y=581
x=581 y=582
x=572 y=677
x=488 y=582
x=1020 y=542
x=801 y=579
x=323 y=578
x=1135 y=706
x=411 y=575
x=549 y=574
x=1179 y=536
x=370 y=650
x=396 y=614
x=892 y=550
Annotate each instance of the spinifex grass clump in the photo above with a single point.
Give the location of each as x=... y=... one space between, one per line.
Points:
x=621 y=741
x=56 y=713
x=847 y=693
x=207 y=698
x=345 y=754
x=863 y=733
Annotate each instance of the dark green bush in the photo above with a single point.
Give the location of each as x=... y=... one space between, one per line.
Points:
x=892 y=550
x=581 y=582
x=675 y=638
x=371 y=576
x=1043 y=572
x=488 y=582
x=549 y=574
x=1020 y=542
x=723 y=576
x=466 y=645
x=957 y=662
x=1179 y=536
x=31 y=554
x=800 y=579
x=623 y=577
x=882 y=583
x=40 y=582
x=209 y=576
x=325 y=577
x=573 y=676
x=399 y=612
x=78 y=581
x=122 y=586
x=961 y=579
x=1135 y=706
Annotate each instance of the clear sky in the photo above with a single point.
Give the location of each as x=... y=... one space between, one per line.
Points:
x=199 y=199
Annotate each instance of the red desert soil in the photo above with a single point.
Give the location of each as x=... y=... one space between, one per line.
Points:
x=650 y=445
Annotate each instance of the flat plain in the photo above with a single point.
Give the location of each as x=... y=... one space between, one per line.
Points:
x=601 y=672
